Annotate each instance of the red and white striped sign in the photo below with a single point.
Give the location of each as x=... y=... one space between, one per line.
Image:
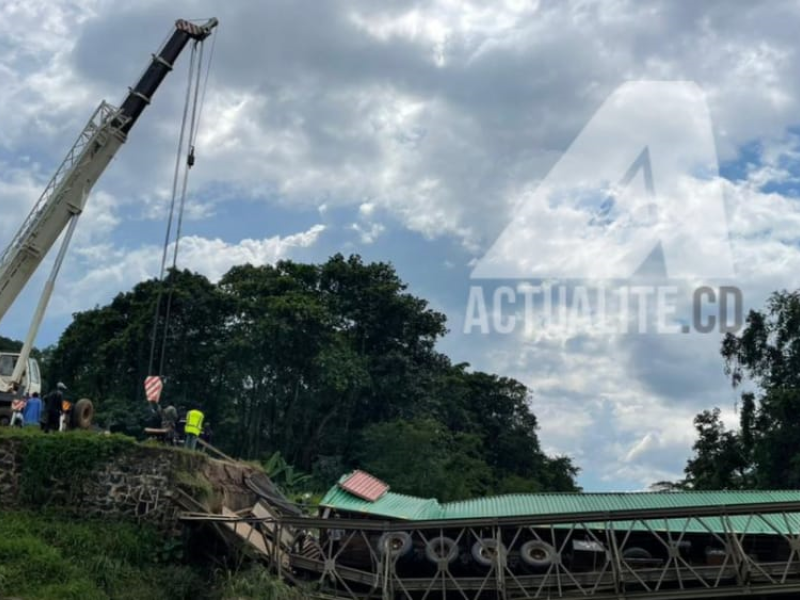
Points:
x=190 y=28
x=152 y=388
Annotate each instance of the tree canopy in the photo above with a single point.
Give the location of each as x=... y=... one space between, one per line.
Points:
x=332 y=365
x=764 y=361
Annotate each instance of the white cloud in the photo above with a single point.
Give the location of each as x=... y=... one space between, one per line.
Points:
x=623 y=406
x=435 y=116
x=105 y=270
x=368 y=233
x=19 y=190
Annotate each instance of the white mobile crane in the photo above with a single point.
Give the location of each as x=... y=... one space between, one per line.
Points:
x=57 y=210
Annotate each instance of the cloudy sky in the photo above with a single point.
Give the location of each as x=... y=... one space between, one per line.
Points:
x=412 y=132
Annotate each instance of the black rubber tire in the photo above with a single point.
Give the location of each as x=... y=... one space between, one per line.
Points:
x=636 y=553
x=483 y=551
x=397 y=543
x=441 y=548
x=537 y=554
x=82 y=414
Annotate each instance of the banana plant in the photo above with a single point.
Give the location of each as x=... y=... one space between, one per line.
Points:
x=285 y=476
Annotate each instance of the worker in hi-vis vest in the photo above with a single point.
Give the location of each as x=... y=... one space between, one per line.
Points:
x=194 y=425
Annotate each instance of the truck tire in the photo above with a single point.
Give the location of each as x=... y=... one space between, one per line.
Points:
x=637 y=557
x=395 y=543
x=537 y=554
x=82 y=414
x=485 y=551
x=441 y=549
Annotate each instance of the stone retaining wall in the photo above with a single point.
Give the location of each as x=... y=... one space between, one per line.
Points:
x=140 y=483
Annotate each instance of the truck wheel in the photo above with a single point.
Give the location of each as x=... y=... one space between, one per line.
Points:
x=636 y=553
x=82 y=414
x=441 y=548
x=486 y=552
x=637 y=557
x=537 y=554
x=395 y=544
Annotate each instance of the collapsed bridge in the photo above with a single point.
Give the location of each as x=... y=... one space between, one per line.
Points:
x=368 y=542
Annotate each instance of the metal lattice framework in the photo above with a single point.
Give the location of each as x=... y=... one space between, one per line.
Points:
x=680 y=553
x=98 y=127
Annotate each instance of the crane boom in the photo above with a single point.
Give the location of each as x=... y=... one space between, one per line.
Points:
x=65 y=196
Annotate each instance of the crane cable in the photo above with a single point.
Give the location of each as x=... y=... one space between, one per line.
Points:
x=194 y=98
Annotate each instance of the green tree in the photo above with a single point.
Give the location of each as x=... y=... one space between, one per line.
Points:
x=718 y=462
x=424 y=458
x=9 y=345
x=767 y=355
x=315 y=362
x=765 y=452
x=104 y=353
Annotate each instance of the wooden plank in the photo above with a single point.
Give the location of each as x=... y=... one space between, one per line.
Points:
x=214 y=450
x=264 y=511
x=248 y=534
x=252 y=536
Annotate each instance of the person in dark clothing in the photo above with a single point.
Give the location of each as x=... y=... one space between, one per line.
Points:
x=169 y=419
x=52 y=408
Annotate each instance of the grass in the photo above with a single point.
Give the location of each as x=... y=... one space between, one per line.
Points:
x=48 y=557
x=199 y=487
x=47 y=552
x=257 y=584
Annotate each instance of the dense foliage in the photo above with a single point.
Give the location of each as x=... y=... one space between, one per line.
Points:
x=332 y=365
x=764 y=453
x=45 y=556
x=9 y=345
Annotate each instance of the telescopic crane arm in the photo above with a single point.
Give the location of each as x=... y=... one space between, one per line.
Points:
x=65 y=196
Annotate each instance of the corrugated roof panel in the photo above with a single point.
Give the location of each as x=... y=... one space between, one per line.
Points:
x=363 y=485
x=398 y=506
x=766 y=525
x=543 y=504
x=395 y=506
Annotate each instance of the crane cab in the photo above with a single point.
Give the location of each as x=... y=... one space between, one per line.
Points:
x=31 y=382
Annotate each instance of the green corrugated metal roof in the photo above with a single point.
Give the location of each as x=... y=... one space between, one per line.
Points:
x=543 y=504
x=397 y=506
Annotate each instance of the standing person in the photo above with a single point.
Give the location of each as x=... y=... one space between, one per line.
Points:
x=169 y=419
x=17 y=406
x=193 y=427
x=32 y=414
x=52 y=407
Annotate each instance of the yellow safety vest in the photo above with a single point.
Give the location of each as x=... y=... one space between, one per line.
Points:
x=194 y=422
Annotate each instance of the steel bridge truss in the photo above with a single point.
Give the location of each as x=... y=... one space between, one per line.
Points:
x=665 y=554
